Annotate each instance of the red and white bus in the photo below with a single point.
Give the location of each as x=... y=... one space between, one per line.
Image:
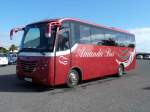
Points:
x=67 y=50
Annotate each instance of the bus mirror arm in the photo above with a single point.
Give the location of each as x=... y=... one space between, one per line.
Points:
x=49 y=28
x=15 y=30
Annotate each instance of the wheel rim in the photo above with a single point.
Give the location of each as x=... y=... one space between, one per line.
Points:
x=120 y=71
x=73 y=79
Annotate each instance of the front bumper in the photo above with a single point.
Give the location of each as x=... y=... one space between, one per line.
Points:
x=3 y=62
x=34 y=70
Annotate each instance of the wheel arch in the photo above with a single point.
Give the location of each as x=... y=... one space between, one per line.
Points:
x=78 y=69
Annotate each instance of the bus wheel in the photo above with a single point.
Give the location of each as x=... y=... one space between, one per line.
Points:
x=120 y=71
x=73 y=79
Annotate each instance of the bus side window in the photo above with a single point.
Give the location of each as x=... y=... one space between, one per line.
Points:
x=97 y=36
x=63 y=41
x=120 y=40
x=73 y=34
x=109 y=39
x=131 y=41
x=85 y=34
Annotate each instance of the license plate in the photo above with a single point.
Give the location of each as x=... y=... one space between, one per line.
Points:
x=28 y=79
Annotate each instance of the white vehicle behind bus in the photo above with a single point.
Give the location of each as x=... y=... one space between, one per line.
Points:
x=3 y=60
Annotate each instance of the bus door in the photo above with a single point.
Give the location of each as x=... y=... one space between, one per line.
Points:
x=62 y=58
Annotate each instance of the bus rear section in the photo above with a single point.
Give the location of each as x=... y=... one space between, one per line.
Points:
x=67 y=51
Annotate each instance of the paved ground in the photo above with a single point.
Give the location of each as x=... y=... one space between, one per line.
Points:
x=130 y=93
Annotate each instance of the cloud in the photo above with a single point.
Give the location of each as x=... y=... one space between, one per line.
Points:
x=142 y=36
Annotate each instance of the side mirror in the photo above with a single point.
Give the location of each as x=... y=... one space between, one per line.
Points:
x=12 y=33
x=14 y=30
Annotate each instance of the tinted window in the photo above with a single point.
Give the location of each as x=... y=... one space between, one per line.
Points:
x=125 y=40
x=131 y=41
x=74 y=38
x=84 y=34
x=32 y=39
x=97 y=36
x=65 y=25
x=63 y=41
x=103 y=37
x=121 y=39
x=109 y=38
x=63 y=37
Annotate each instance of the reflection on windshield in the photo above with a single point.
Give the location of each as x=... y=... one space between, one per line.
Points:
x=34 y=39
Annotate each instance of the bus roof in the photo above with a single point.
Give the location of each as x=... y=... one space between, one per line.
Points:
x=45 y=21
x=77 y=20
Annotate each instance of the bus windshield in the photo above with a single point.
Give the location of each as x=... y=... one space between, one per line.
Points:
x=34 y=38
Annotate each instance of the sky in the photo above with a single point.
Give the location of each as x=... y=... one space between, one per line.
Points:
x=131 y=15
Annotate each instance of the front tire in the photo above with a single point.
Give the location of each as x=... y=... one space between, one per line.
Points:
x=73 y=79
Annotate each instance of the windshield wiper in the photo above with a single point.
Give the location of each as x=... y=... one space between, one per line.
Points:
x=43 y=53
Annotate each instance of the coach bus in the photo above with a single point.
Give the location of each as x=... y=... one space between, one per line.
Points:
x=68 y=51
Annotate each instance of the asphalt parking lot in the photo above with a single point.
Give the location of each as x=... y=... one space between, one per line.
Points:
x=130 y=93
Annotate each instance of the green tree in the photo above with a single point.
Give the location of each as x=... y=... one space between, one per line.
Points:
x=12 y=48
x=3 y=50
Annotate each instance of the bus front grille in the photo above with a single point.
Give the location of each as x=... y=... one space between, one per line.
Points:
x=28 y=66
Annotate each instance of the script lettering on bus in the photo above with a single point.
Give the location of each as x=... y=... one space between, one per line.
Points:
x=84 y=52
